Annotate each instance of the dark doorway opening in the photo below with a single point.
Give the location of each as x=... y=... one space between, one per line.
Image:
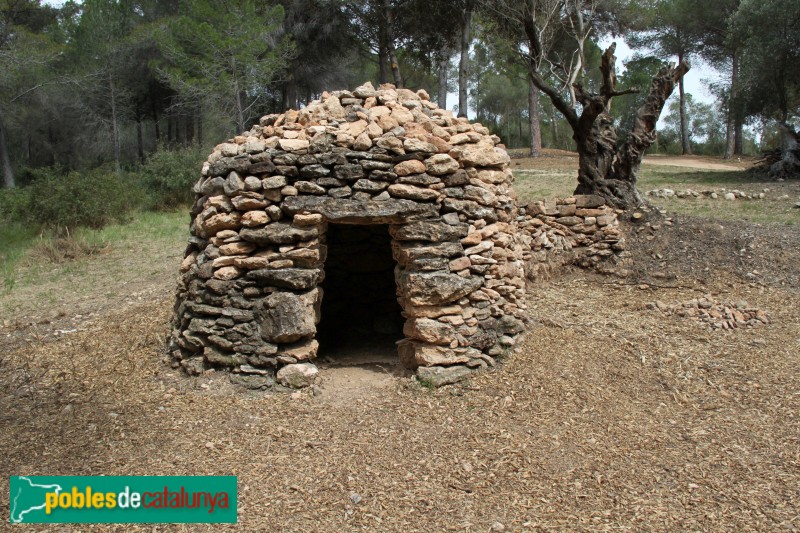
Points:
x=361 y=318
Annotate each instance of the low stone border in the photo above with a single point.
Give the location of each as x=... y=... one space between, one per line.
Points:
x=718 y=315
x=580 y=230
x=730 y=195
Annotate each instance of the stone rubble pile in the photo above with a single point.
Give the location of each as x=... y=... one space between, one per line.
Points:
x=581 y=230
x=718 y=315
x=249 y=296
x=731 y=195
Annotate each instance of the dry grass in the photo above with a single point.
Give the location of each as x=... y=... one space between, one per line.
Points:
x=58 y=287
x=64 y=249
x=609 y=416
x=554 y=174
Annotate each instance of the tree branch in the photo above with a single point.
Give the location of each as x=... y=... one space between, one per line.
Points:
x=535 y=54
x=534 y=38
x=563 y=107
x=632 y=90
x=607 y=67
x=643 y=134
x=37 y=87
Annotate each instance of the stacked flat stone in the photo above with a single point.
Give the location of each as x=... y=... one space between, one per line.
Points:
x=733 y=194
x=717 y=314
x=248 y=297
x=580 y=230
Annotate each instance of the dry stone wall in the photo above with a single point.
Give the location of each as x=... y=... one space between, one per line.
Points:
x=249 y=295
x=581 y=230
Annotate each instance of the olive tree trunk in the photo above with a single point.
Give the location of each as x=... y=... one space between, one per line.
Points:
x=789 y=164
x=604 y=168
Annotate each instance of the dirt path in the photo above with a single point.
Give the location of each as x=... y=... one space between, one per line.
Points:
x=699 y=162
x=562 y=160
x=610 y=415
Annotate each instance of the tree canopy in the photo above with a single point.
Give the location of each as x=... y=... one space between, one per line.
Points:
x=108 y=82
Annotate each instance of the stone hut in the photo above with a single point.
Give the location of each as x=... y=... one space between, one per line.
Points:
x=368 y=215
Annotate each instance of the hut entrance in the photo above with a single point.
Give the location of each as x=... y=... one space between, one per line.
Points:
x=361 y=318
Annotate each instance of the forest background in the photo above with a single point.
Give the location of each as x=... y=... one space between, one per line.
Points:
x=113 y=103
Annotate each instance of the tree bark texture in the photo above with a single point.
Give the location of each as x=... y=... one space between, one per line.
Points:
x=5 y=159
x=729 y=138
x=156 y=119
x=383 y=43
x=534 y=120
x=730 y=127
x=686 y=143
x=115 y=125
x=554 y=126
x=239 y=108
x=789 y=165
x=603 y=168
x=393 y=62
x=738 y=135
x=580 y=36
x=441 y=92
x=51 y=146
x=383 y=56
x=466 y=40
x=199 y=114
x=189 y=127
x=396 y=74
x=289 y=95
x=139 y=140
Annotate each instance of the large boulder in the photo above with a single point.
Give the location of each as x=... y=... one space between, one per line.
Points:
x=437 y=288
x=288 y=317
x=298 y=375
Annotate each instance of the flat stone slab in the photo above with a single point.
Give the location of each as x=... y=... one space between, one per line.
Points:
x=437 y=288
x=436 y=376
x=390 y=211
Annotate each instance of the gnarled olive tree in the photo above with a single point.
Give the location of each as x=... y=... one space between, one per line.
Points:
x=606 y=167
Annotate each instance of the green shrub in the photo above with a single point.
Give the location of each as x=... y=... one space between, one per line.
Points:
x=16 y=238
x=13 y=205
x=169 y=175
x=64 y=201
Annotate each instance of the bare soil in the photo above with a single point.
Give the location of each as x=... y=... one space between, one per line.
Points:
x=558 y=159
x=608 y=416
x=698 y=162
